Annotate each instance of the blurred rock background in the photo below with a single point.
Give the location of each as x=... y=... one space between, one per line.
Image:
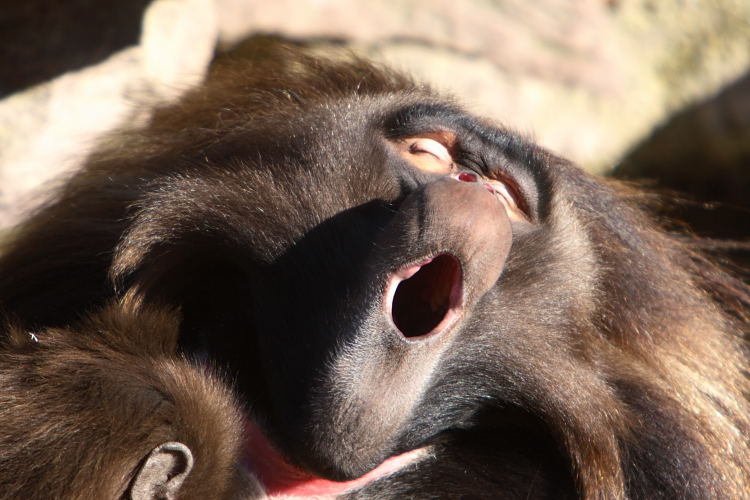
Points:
x=635 y=88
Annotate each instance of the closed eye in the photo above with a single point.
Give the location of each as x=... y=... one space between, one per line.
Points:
x=510 y=198
x=429 y=153
x=430 y=146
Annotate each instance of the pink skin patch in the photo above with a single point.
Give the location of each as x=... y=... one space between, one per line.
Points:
x=467 y=177
x=281 y=479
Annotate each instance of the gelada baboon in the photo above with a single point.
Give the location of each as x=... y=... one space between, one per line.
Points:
x=409 y=301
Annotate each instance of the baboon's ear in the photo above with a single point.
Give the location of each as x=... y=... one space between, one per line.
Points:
x=162 y=473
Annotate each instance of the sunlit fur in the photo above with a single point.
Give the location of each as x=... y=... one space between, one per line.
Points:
x=608 y=361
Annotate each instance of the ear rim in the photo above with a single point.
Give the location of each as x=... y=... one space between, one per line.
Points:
x=162 y=472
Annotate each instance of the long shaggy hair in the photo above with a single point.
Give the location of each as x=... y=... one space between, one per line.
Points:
x=608 y=361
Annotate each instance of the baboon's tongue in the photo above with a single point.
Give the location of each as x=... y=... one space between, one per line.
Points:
x=280 y=478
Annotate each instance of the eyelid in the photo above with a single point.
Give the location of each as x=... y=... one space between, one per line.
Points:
x=512 y=196
x=431 y=146
x=430 y=152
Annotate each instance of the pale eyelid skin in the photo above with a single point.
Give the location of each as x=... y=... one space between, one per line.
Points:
x=430 y=146
x=427 y=153
x=430 y=154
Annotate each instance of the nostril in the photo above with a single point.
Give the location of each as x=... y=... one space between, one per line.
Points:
x=427 y=300
x=467 y=177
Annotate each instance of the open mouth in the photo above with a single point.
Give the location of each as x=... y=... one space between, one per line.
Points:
x=423 y=299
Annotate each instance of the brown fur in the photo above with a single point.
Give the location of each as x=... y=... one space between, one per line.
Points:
x=79 y=411
x=609 y=361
